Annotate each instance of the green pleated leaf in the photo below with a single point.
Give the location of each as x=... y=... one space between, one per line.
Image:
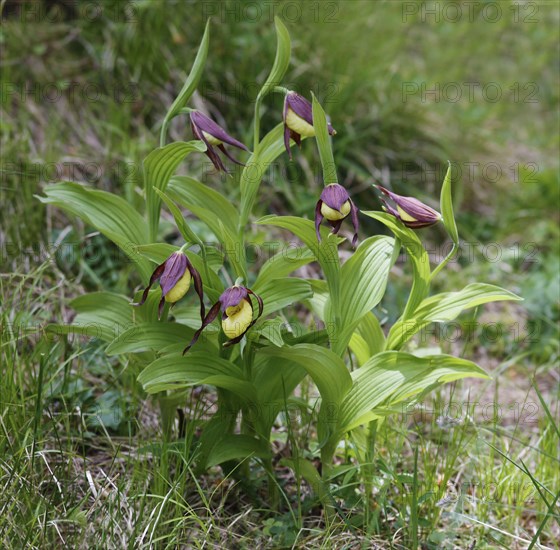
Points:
x=319 y=299
x=327 y=370
x=150 y=336
x=417 y=254
x=325 y=252
x=208 y=204
x=329 y=373
x=271 y=329
x=368 y=339
x=446 y=307
x=109 y=214
x=324 y=143
x=284 y=263
x=390 y=377
x=446 y=205
x=279 y=293
x=236 y=447
x=186 y=232
x=216 y=212
x=363 y=279
x=192 y=80
x=176 y=371
x=158 y=167
x=282 y=60
x=103 y=315
x=275 y=379
x=157 y=252
x=269 y=149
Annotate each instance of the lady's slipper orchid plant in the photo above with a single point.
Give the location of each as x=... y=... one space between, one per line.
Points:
x=326 y=357
x=410 y=211
x=335 y=206
x=213 y=135
x=298 y=120
x=237 y=314
x=175 y=276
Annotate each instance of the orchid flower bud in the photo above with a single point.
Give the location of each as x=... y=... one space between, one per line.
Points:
x=213 y=135
x=237 y=314
x=410 y=211
x=334 y=206
x=175 y=276
x=298 y=120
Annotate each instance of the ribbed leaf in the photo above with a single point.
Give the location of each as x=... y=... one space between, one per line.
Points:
x=157 y=252
x=363 y=279
x=220 y=216
x=159 y=166
x=282 y=60
x=187 y=233
x=236 y=446
x=391 y=377
x=108 y=213
x=279 y=68
x=445 y=307
x=324 y=143
x=210 y=204
x=175 y=371
x=275 y=379
x=417 y=254
x=279 y=293
x=271 y=329
x=327 y=370
x=270 y=148
x=149 y=336
x=100 y=314
x=446 y=205
x=329 y=373
x=368 y=338
x=193 y=79
x=284 y=263
x=325 y=252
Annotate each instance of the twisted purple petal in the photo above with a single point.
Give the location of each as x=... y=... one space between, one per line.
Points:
x=212 y=314
x=318 y=219
x=197 y=287
x=355 y=223
x=155 y=276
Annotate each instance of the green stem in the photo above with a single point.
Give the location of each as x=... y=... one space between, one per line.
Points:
x=273 y=493
x=257 y=123
x=369 y=469
x=165 y=124
x=202 y=246
x=248 y=356
x=327 y=455
x=163 y=132
x=447 y=259
x=165 y=312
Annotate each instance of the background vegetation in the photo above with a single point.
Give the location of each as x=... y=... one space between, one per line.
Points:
x=408 y=85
